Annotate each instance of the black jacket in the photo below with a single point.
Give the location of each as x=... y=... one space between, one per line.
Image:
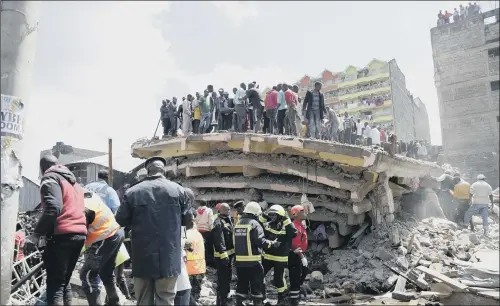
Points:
x=249 y=228
x=222 y=233
x=307 y=105
x=283 y=231
x=155 y=209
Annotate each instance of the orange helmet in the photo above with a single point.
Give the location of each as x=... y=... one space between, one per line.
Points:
x=296 y=209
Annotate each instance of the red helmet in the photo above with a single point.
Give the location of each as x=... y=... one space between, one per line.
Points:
x=296 y=209
x=217 y=206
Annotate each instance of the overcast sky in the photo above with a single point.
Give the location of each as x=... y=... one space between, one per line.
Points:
x=102 y=68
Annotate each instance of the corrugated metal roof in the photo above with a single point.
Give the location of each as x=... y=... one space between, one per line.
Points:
x=29 y=195
x=123 y=162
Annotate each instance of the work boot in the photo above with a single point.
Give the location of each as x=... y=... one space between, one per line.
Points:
x=112 y=293
x=93 y=298
x=239 y=301
x=293 y=301
x=257 y=301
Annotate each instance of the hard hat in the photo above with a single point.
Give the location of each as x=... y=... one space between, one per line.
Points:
x=277 y=209
x=481 y=177
x=217 y=206
x=239 y=203
x=296 y=209
x=253 y=208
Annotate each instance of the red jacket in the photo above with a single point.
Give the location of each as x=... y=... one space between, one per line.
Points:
x=300 y=241
x=62 y=202
x=272 y=99
x=290 y=98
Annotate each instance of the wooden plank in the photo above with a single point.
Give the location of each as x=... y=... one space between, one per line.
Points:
x=445 y=279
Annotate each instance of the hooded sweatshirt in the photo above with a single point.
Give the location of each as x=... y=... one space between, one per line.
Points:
x=204 y=219
x=62 y=203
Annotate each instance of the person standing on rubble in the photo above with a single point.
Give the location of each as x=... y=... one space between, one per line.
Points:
x=204 y=103
x=196 y=114
x=249 y=241
x=172 y=116
x=297 y=261
x=165 y=122
x=63 y=224
x=313 y=109
x=461 y=195
x=277 y=227
x=187 y=114
x=103 y=242
x=155 y=209
x=481 y=198
x=222 y=232
x=281 y=117
x=291 y=112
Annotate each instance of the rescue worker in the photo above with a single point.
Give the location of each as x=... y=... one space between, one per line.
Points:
x=103 y=242
x=195 y=256
x=249 y=241
x=297 y=261
x=223 y=252
x=277 y=226
x=63 y=224
x=239 y=207
x=106 y=192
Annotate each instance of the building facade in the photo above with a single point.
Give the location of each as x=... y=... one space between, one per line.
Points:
x=376 y=94
x=466 y=65
x=421 y=118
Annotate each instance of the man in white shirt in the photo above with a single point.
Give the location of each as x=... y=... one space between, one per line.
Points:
x=239 y=107
x=481 y=197
x=368 y=134
x=359 y=131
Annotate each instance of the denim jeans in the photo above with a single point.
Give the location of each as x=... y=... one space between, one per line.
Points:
x=315 y=123
x=182 y=298
x=477 y=209
x=204 y=123
x=271 y=114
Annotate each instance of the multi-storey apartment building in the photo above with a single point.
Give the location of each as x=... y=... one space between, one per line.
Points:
x=466 y=64
x=376 y=93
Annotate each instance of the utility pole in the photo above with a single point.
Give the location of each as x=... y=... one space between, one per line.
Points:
x=19 y=26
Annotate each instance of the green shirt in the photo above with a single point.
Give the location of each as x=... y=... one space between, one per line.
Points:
x=204 y=105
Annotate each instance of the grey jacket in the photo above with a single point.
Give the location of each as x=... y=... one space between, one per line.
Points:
x=154 y=209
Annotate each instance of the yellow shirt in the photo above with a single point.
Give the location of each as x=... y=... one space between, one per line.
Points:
x=461 y=191
x=196 y=113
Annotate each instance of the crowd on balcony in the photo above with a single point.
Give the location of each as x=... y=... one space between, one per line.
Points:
x=463 y=12
x=362 y=87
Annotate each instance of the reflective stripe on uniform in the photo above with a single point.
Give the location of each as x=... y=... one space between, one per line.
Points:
x=248 y=258
x=126 y=239
x=282 y=289
x=224 y=254
x=276 y=232
x=294 y=294
x=275 y=258
x=286 y=222
x=103 y=220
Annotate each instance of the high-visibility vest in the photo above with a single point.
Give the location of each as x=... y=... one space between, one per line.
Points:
x=104 y=224
x=195 y=260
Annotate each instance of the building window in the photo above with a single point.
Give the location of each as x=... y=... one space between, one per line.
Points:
x=495 y=85
x=494 y=52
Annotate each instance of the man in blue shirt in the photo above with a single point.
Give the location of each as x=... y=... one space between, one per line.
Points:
x=106 y=192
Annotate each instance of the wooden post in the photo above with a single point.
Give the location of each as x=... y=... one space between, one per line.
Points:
x=110 y=162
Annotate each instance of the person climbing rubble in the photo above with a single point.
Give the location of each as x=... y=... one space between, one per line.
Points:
x=249 y=241
x=277 y=227
x=461 y=194
x=222 y=230
x=297 y=261
x=63 y=224
x=103 y=242
x=481 y=198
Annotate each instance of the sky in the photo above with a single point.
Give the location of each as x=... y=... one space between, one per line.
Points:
x=102 y=68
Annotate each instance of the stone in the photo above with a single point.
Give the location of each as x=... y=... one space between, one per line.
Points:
x=325 y=250
x=384 y=255
x=474 y=239
x=389 y=282
x=402 y=250
x=345 y=229
x=334 y=266
x=378 y=274
x=424 y=241
x=349 y=287
x=332 y=292
x=402 y=262
x=367 y=255
x=316 y=281
x=403 y=296
x=436 y=267
x=425 y=263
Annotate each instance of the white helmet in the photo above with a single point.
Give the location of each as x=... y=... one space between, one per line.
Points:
x=277 y=209
x=253 y=208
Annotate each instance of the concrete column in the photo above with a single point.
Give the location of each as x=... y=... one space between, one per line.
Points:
x=19 y=24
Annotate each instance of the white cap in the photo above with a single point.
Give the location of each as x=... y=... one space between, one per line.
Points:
x=481 y=177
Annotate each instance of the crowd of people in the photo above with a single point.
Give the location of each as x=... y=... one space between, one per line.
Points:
x=463 y=12
x=281 y=112
x=152 y=226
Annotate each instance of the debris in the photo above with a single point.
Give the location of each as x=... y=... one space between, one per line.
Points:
x=453 y=283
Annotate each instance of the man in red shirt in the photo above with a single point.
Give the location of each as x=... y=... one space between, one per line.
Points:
x=291 y=112
x=272 y=108
x=297 y=262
